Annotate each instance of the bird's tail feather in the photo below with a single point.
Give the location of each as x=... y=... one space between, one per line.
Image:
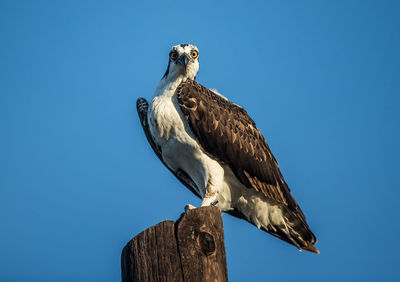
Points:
x=295 y=231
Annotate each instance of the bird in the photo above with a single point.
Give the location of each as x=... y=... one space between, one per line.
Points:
x=214 y=148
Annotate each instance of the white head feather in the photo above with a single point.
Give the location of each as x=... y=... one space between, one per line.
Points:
x=183 y=61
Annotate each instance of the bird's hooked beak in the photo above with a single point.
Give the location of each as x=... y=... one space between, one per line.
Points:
x=183 y=60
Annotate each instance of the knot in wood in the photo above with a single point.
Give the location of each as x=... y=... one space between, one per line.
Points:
x=207 y=243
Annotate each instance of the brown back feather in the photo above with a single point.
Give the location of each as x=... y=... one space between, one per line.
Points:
x=226 y=132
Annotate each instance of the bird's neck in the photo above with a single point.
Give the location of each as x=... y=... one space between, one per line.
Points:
x=168 y=85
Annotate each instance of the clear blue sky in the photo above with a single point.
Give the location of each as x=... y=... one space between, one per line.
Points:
x=78 y=179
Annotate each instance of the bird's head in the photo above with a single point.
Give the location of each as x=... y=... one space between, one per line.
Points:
x=183 y=60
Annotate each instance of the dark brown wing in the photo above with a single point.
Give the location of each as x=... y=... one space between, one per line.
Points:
x=142 y=107
x=227 y=133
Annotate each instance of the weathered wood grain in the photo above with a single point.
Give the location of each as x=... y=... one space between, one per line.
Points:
x=201 y=245
x=191 y=249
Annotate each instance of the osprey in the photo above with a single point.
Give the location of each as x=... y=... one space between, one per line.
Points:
x=215 y=149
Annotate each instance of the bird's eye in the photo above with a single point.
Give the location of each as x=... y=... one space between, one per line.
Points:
x=194 y=54
x=173 y=55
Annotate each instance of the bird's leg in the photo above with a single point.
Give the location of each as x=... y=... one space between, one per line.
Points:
x=210 y=196
x=209 y=200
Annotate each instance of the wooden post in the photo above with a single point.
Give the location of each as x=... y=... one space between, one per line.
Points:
x=190 y=249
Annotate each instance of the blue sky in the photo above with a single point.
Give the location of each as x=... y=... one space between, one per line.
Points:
x=78 y=179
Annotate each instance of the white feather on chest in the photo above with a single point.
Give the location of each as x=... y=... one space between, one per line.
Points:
x=172 y=133
x=166 y=119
